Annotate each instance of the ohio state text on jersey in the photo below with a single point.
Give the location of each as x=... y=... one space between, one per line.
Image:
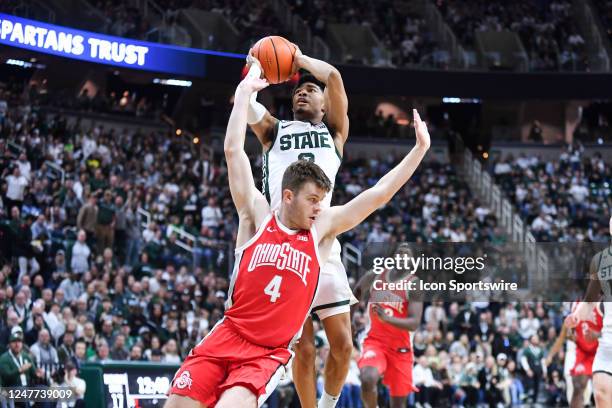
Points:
x=273 y=284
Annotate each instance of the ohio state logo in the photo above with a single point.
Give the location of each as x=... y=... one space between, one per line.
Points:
x=183 y=381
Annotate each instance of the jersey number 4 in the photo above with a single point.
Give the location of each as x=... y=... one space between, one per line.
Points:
x=273 y=288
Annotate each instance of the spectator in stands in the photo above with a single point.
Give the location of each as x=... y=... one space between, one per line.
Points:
x=16 y=366
x=33 y=334
x=490 y=382
x=170 y=350
x=423 y=379
x=119 y=351
x=80 y=353
x=76 y=384
x=136 y=353
x=16 y=187
x=88 y=216
x=65 y=351
x=105 y=222
x=79 y=262
x=12 y=321
x=102 y=352
x=72 y=286
x=532 y=362
x=43 y=351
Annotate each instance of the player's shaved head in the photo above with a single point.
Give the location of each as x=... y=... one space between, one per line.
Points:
x=302 y=171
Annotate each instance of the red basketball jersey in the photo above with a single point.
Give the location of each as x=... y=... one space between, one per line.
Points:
x=582 y=342
x=394 y=303
x=273 y=284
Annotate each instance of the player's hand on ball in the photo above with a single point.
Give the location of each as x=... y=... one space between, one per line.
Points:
x=250 y=60
x=252 y=84
x=296 y=60
x=423 y=140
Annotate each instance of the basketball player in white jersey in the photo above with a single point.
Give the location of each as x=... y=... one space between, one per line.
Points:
x=600 y=281
x=317 y=133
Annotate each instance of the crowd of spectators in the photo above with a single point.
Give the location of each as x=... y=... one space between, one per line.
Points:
x=547 y=29
x=252 y=20
x=562 y=200
x=402 y=31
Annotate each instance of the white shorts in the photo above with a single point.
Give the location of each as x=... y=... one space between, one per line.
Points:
x=334 y=295
x=603 y=359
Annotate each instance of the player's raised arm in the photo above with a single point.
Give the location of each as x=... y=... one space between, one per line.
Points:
x=260 y=120
x=242 y=186
x=338 y=219
x=336 y=101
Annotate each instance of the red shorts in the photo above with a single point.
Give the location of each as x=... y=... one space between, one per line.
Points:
x=584 y=363
x=223 y=360
x=394 y=366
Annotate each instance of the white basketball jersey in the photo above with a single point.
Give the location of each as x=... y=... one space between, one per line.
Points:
x=295 y=140
x=604 y=273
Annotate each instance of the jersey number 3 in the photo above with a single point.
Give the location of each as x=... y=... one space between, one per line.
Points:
x=273 y=288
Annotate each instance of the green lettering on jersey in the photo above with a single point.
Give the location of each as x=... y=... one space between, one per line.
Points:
x=323 y=136
x=305 y=140
x=285 y=142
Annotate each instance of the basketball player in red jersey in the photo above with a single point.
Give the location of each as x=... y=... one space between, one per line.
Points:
x=387 y=348
x=278 y=258
x=585 y=335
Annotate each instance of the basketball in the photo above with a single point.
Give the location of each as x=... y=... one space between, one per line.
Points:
x=276 y=56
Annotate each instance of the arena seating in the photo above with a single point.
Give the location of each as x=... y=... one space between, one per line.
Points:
x=548 y=31
x=562 y=200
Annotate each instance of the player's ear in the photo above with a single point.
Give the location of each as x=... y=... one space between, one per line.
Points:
x=287 y=195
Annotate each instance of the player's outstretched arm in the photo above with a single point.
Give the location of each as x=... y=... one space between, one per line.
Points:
x=245 y=195
x=260 y=120
x=336 y=101
x=338 y=219
x=557 y=345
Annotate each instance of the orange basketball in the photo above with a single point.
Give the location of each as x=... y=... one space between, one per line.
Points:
x=276 y=55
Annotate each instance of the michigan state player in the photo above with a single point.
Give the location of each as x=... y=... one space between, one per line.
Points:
x=600 y=282
x=317 y=133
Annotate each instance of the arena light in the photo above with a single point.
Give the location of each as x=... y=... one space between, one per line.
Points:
x=24 y=64
x=448 y=99
x=172 y=82
x=19 y=63
x=451 y=99
x=402 y=122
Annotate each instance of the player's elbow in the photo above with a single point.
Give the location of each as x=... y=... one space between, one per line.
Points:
x=230 y=150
